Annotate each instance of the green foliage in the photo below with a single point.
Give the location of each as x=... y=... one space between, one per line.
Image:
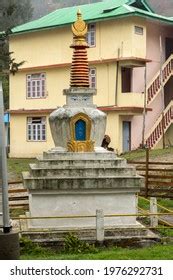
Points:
x=166 y=202
x=16 y=212
x=12 y=13
x=74 y=245
x=168 y=232
x=28 y=247
x=140 y=154
x=5 y=82
x=17 y=165
x=155 y=252
x=142 y=203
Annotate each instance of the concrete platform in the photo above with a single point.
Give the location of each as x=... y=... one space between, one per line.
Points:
x=65 y=184
x=125 y=237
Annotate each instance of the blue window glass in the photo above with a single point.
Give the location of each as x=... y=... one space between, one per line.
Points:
x=80 y=130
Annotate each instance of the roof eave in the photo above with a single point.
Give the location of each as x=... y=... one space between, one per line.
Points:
x=130 y=14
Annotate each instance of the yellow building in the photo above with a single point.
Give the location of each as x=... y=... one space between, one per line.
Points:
x=123 y=37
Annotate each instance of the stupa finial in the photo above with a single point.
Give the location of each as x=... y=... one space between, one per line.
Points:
x=79 y=14
x=79 y=76
x=79 y=28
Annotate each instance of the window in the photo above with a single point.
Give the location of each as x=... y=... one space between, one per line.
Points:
x=92 y=77
x=36 y=85
x=126 y=79
x=139 y=30
x=91 y=38
x=36 y=129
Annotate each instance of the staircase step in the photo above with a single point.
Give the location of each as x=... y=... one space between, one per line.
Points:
x=83 y=183
x=155 y=86
x=125 y=237
x=77 y=156
x=80 y=172
x=88 y=163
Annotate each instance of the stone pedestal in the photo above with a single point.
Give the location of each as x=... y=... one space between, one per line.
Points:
x=70 y=184
x=9 y=246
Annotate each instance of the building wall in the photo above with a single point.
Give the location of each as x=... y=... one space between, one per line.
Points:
x=56 y=81
x=154 y=32
x=112 y=129
x=20 y=147
x=52 y=46
x=169 y=136
x=48 y=51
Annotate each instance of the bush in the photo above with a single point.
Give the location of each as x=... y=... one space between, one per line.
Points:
x=29 y=247
x=74 y=245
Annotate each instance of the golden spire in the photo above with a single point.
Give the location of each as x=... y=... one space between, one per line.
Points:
x=79 y=29
x=79 y=68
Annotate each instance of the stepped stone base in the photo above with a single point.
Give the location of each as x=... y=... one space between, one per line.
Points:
x=68 y=184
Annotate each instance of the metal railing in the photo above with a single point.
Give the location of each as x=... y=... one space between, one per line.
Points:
x=99 y=221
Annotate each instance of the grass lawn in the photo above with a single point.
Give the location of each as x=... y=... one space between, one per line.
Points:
x=138 y=154
x=155 y=252
x=17 y=165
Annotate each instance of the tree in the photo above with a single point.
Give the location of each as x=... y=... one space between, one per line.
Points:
x=12 y=13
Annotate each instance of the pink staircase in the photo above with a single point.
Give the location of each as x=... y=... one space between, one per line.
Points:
x=161 y=125
x=155 y=86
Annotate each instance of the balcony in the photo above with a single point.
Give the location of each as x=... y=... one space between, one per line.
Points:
x=131 y=99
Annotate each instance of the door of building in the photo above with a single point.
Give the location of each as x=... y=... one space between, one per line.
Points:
x=126 y=136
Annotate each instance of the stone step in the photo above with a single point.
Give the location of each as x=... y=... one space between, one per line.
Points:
x=125 y=237
x=38 y=171
x=77 y=156
x=82 y=183
x=83 y=163
x=111 y=232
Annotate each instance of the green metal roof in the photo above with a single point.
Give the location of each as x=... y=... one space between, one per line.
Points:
x=92 y=12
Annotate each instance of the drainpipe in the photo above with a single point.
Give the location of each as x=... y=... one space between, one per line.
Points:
x=144 y=111
x=117 y=72
x=162 y=92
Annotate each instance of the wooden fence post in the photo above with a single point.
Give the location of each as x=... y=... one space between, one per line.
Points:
x=146 y=172
x=153 y=209
x=99 y=225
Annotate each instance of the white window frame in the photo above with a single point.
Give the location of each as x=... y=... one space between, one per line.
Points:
x=92 y=77
x=36 y=85
x=91 y=35
x=36 y=129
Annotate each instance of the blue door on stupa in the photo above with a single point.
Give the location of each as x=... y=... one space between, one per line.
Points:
x=80 y=130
